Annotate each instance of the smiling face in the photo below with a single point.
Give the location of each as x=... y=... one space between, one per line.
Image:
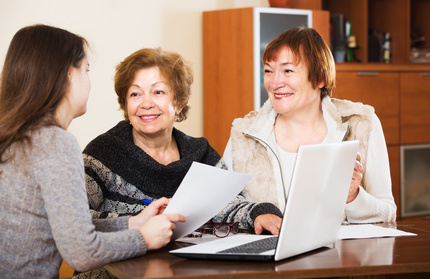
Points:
x=150 y=103
x=288 y=86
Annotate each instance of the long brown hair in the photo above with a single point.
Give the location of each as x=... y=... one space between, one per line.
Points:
x=34 y=80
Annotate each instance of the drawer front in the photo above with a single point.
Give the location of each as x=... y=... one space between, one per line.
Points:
x=415 y=108
x=380 y=90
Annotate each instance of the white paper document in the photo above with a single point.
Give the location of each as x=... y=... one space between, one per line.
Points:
x=204 y=192
x=369 y=231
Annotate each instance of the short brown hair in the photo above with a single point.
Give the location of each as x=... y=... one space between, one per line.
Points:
x=172 y=66
x=311 y=49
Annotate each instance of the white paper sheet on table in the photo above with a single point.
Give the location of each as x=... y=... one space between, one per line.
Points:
x=369 y=231
x=204 y=192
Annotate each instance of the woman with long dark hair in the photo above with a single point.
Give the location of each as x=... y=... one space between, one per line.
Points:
x=43 y=202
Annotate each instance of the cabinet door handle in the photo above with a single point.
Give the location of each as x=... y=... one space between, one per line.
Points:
x=367 y=73
x=426 y=74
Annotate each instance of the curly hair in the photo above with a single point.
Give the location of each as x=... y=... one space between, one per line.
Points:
x=173 y=68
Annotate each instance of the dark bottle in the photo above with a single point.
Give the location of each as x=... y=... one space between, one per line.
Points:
x=386 y=48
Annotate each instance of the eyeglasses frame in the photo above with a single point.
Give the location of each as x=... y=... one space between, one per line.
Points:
x=217 y=226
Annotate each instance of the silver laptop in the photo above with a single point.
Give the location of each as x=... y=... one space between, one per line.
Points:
x=313 y=212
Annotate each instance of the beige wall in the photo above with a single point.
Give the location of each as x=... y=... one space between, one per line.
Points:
x=115 y=29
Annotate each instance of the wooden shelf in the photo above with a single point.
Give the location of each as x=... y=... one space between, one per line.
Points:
x=403 y=19
x=381 y=67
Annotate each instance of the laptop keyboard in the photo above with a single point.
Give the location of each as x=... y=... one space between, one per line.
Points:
x=254 y=247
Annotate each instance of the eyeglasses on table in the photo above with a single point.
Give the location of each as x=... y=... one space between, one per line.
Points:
x=219 y=229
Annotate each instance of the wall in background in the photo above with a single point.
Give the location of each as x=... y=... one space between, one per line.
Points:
x=115 y=29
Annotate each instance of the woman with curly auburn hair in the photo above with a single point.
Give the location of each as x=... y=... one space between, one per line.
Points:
x=144 y=157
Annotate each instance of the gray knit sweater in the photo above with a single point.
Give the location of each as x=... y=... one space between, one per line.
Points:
x=45 y=216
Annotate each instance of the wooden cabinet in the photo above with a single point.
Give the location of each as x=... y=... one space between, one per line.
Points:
x=401 y=98
x=415 y=107
x=232 y=47
x=378 y=89
x=405 y=20
x=227 y=72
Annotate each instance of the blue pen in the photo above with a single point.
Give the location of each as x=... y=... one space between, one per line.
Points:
x=147 y=201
